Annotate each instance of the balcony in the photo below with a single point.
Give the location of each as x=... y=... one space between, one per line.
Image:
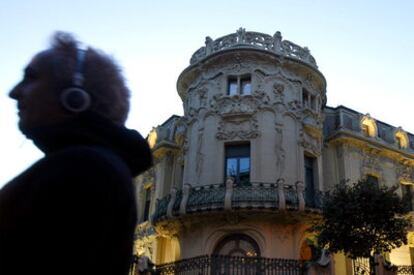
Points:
x=230 y=196
x=219 y=264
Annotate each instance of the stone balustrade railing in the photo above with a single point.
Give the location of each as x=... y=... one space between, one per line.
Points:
x=255 y=40
x=221 y=197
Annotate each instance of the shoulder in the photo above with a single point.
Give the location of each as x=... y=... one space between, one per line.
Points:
x=87 y=158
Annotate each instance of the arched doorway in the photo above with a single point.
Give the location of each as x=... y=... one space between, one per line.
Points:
x=239 y=245
x=236 y=254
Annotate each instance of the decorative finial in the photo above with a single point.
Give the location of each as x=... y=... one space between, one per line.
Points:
x=277 y=42
x=209 y=45
x=241 y=35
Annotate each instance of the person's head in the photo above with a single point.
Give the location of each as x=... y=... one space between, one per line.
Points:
x=51 y=72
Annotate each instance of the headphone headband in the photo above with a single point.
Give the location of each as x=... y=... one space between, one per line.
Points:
x=75 y=99
x=78 y=75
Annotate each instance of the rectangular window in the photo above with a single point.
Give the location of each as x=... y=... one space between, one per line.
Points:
x=147 y=203
x=310 y=181
x=239 y=85
x=246 y=85
x=232 y=86
x=372 y=179
x=407 y=195
x=305 y=98
x=238 y=163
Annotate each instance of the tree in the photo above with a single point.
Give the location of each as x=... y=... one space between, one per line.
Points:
x=362 y=219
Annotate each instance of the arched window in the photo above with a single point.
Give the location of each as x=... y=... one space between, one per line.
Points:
x=237 y=245
x=368 y=126
x=152 y=138
x=401 y=138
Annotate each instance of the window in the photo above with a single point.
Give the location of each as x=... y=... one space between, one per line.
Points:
x=371 y=179
x=368 y=126
x=365 y=130
x=246 y=85
x=308 y=100
x=232 y=86
x=401 y=139
x=147 y=203
x=239 y=85
x=238 y=163
x=407 y=195
x=310 y=181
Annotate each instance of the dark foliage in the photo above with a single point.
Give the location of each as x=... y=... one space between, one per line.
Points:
x=361 y=219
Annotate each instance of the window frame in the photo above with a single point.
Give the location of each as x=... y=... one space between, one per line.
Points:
x=240 y=151
x=147 y=203
x=309 y=164
x=238 y=80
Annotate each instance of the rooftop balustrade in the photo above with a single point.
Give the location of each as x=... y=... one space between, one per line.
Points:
x=254 y=40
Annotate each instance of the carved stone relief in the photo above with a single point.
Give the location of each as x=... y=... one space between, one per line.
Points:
x=405 y=172
x=239 y=128
x=371 y=162
x=202 y=96
x=148 y=177
x=284 y=233
x=310 y=144
x=200 y=155
x=278 y=90
x=279 y=151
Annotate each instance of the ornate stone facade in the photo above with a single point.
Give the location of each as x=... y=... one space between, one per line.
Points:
x=255 y=148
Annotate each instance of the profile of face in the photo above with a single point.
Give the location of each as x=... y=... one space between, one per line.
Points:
x=37 y=98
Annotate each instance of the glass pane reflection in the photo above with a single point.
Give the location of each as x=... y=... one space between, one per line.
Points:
x=232 y=89
x=246 y=87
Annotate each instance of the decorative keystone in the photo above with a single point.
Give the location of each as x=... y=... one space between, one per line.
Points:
x=281 y=193
x=299 y=189
x=229 y=193
x=171 y=203
x=186 y=195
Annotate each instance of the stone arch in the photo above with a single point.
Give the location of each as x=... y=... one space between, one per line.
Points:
x=215 y=237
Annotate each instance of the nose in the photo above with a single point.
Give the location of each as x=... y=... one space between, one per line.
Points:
x=15 y=92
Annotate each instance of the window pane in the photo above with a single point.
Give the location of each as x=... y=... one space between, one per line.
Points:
x=147 y=203
x=231 y=167
x=244 y=165
x=238 y=162
x=244 y=170
x=246 y=86
x=232 y=88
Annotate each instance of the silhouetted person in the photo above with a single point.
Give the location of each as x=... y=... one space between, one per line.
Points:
x=73 y=211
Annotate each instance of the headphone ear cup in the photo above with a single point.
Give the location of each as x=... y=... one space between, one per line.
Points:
x=75 y=100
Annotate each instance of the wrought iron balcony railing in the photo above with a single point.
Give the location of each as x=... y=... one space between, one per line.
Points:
x=277 y=196
x=219 y=264
x=255 y=40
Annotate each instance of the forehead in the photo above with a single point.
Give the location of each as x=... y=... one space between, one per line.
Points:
x=41 y=62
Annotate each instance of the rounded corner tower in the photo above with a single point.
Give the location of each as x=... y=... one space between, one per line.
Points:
x=250 y=89
x=250 y=154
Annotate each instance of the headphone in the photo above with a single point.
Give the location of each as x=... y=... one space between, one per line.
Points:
x=75 y=99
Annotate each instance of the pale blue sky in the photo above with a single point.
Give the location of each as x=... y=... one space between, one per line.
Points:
x=365 y=49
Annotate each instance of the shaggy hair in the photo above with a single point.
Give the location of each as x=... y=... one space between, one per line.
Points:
x=103 y=79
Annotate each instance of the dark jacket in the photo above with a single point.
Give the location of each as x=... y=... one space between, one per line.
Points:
x=73 y=211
